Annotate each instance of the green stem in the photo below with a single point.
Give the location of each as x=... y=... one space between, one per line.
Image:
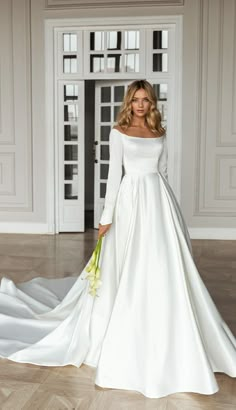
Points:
x=98 y=250
x=99 y=243
x=100 y=247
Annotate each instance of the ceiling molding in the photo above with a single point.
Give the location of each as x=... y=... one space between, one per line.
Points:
x=65 y=4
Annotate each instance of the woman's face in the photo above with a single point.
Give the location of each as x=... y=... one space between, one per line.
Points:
x=140 y=103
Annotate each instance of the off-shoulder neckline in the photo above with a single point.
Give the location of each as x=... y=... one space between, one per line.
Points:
x=133 y=136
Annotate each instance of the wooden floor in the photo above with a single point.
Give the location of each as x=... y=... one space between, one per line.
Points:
x=29 y=387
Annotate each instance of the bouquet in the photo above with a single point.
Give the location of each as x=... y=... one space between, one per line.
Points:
x=94 y=270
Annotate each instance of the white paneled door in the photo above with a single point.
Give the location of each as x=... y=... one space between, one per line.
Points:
x=108 y=99
x=70 y=152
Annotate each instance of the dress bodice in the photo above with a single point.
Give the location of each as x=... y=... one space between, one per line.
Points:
x=141 y=154
x=138 y=155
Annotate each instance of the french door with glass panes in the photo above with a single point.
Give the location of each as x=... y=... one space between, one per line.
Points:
x=108 y=99
x=71 y=156
x=112 y=56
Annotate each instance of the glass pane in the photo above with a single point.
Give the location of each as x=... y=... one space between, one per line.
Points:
x=73 y=65
x=132 y=63
x=160 y=62
x=131 y=40
x=70 y=132
x=69 y=42
x=71 y=112
x=104 y=171
x=71 y=172
x=114 y=40
x=160 y=39
x=105 y=94
x=113 y=63
x=71 y=191
x=71 y=152
x=116 y=110
x=73 y=42
x=66 y=42
x=105 y=152
x=102 y=190
x=105 y=131
x=66 y=64
x=163 y=110
x=97 y=40
x=105 y=114
x=97 y=63
x=161 y=91
x=69 y=64
x=119 y=91
x=70 y=92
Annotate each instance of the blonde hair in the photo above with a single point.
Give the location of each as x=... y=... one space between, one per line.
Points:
x=153 y=117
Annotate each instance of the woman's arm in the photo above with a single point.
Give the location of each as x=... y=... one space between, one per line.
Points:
x=163 y=160
x=114 y=176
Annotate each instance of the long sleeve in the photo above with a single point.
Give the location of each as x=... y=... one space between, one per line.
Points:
x=114 y=176
x=163 y=160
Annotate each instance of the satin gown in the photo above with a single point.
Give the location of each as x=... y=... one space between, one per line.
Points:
x=154 y=327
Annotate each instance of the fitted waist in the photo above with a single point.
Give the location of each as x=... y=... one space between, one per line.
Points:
x=140 y=172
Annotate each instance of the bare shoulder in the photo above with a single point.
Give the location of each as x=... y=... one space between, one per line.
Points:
x=118 y=128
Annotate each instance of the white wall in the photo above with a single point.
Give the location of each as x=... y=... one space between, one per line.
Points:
x=208 y=197
x=209 y=119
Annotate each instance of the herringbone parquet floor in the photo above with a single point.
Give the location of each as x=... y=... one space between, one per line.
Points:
x=29 y=387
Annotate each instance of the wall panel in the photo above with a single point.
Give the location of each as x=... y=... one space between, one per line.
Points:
x=218 y=142
x=15 y=107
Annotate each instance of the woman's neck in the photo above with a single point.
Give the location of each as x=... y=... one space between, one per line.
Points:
x=139 y=123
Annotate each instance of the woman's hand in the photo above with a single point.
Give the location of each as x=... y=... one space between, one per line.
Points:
x=103 y=229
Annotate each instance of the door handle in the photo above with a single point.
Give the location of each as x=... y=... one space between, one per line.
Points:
x=94 y=151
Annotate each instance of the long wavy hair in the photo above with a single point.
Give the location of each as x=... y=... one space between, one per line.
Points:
x=153 y=117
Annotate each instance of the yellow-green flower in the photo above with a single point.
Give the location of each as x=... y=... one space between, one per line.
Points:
x=94 y=270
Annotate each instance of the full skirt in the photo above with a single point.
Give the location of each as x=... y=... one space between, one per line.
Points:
x=153 y=328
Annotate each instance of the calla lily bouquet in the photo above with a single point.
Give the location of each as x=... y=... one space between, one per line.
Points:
x=94 y=270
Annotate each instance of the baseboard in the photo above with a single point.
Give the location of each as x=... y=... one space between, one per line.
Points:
x=213 y=233
x=25 y=227
x=43 y=228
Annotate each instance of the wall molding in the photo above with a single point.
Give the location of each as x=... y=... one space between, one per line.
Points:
x=225 y=163
x=7 y=89
x=213 y=233
x=65 y=4
x=8 y=169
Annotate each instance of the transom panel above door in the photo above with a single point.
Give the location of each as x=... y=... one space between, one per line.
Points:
x=115 y=52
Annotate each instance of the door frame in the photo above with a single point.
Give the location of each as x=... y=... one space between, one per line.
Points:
x=175 y=107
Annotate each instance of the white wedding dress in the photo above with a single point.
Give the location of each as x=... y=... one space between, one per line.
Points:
x=154 y=327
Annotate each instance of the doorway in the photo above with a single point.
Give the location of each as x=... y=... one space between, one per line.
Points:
x=92 y=68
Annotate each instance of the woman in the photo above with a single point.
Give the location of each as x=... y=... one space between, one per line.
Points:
x=154 y=327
